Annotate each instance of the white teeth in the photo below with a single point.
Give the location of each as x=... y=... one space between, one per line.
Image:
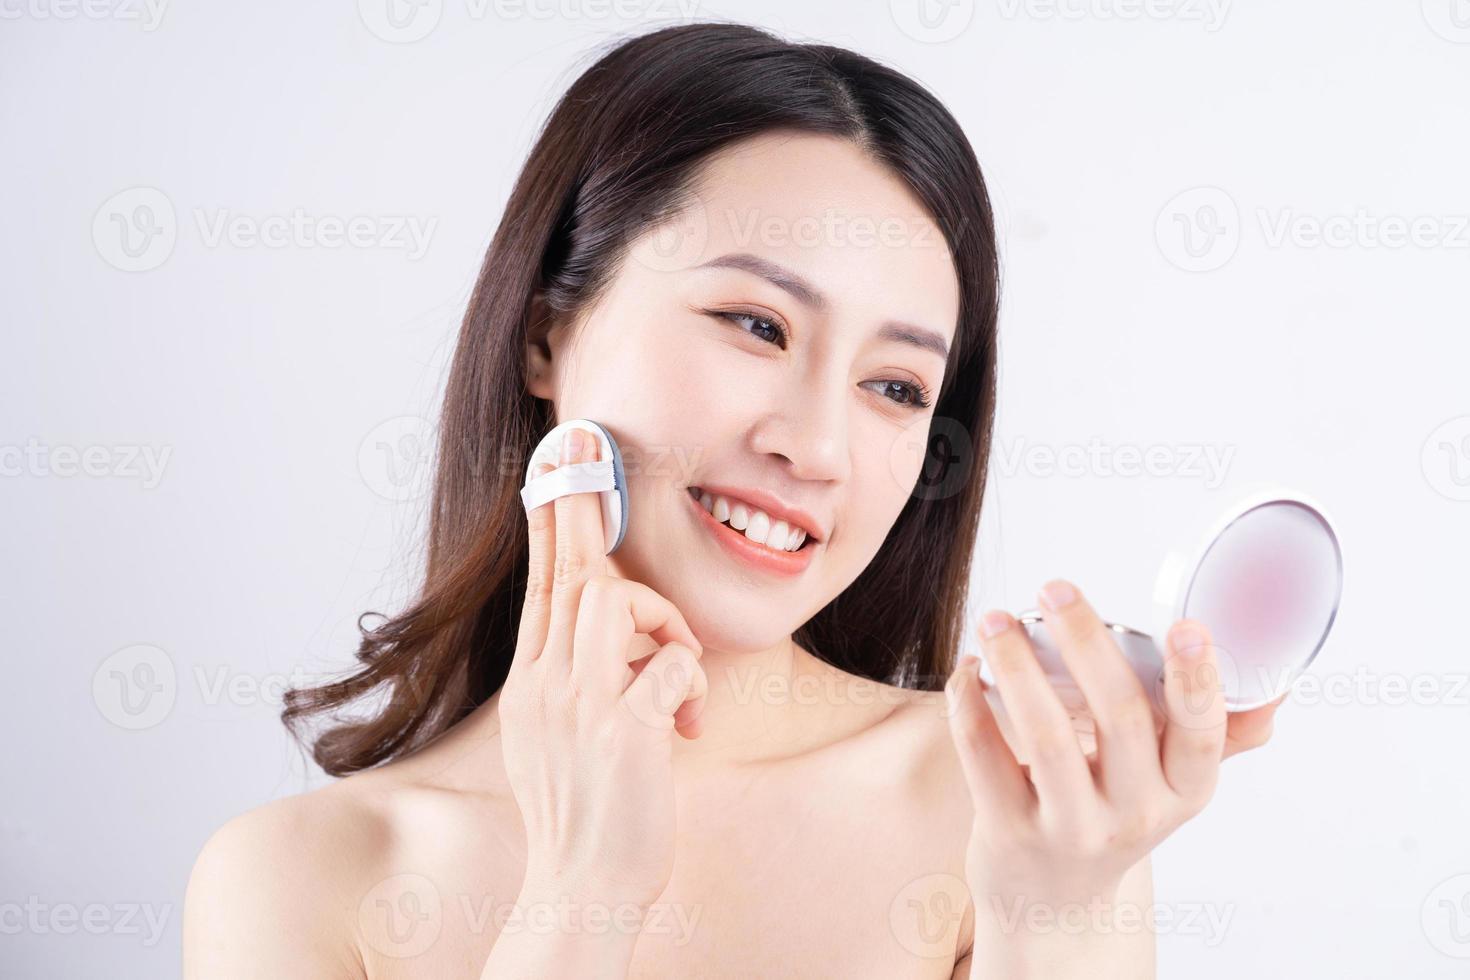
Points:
x=758 y=528
x=779 y=536
x=757 y=524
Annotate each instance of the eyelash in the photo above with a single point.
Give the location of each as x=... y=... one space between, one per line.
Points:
x=918 y=392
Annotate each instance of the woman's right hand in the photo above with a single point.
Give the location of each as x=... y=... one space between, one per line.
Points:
x=587 y=734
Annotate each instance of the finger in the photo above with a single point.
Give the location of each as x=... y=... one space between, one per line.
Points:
x=671 y=677
x=997 y=784
x=579 y=551
x=1194 y=733
x=536 y=609
x=1246 y=730
x=689 y=717
x=1123 y=717
x=1042 y=728
x=612 y=612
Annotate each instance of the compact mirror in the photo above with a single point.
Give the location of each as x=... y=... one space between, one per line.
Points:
x=1266 y=579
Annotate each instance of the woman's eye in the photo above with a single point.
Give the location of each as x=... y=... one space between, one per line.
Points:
x=908 y=393
x=765 y=329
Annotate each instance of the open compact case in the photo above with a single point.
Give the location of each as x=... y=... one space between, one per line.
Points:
x=1265 y=579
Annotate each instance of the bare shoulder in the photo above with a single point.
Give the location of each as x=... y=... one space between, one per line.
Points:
x=936 y=802
x=274 y=891
x=918 y=729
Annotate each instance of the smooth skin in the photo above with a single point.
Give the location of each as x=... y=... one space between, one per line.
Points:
x=668 y=785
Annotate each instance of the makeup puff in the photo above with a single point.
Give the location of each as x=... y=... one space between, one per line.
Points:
x=603 y=477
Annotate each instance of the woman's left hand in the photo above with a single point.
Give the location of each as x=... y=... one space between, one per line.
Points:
x=1068 y=826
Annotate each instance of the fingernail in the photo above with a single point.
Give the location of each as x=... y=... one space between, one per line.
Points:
x=1057 y=595
x=571 y=446
x=1188 y=640
x=994 y=623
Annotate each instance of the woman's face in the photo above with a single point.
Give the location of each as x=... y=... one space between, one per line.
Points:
x=779 y=340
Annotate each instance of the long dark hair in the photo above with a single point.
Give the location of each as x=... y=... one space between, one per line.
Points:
x=615 y=159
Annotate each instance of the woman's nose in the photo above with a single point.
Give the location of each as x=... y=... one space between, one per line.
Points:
x=807 y=424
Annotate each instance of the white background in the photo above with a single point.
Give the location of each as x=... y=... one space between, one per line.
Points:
x=287 y=385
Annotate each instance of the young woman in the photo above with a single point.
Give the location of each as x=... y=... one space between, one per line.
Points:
x=769 y=270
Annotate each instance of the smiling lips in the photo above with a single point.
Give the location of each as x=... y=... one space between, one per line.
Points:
x=770 y=543
x=757 y=525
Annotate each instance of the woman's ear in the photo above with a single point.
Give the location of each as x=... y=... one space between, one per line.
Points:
x=540 y=360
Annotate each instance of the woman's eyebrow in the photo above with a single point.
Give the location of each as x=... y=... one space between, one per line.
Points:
x=811 y=297
x=776 y=275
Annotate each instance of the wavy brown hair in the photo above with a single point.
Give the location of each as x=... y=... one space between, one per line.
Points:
x=616 y=158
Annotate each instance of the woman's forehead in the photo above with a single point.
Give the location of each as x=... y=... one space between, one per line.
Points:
x=820 y=207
